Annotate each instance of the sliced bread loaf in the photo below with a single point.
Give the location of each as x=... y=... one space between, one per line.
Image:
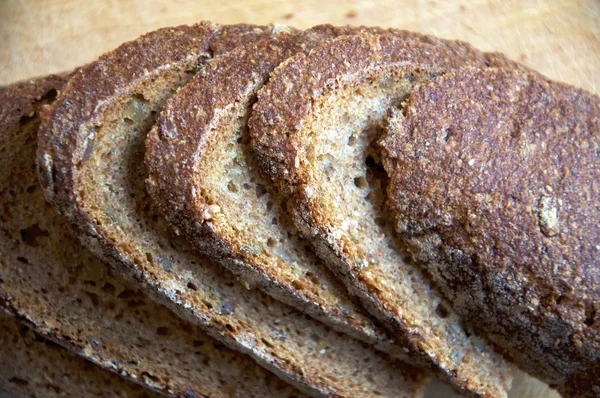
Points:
x=92 y=164
x=226 y=206
x=495 y=187
x=63 y=292
x=31 y=366
x=313 y=129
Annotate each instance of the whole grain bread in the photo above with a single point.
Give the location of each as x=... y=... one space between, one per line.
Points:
x=223 y=203
x=91 y=157
x=31 y=366
x=313 y=129
x=495 y=184
x=54 y=286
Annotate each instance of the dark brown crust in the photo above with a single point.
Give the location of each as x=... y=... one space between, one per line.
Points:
x=229 y=37
x=42 y=302
x=503 y=212
x=282 y=107
x=63 y=145
x=180 y=135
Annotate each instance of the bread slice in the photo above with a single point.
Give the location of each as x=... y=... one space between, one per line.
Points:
x=511 y=237
x=92 y=162
x=313 y=128
x=222 y=202
x=33 y=366
x=56 y=287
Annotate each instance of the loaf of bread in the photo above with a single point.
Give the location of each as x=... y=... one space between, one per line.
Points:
x=494 y=186
x=267 y=147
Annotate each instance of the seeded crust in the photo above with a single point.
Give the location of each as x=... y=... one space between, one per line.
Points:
x=287 y=132
x=56 y=287
x=91 y=159
x=494 y=187
x=33 y=366
x=211 y=216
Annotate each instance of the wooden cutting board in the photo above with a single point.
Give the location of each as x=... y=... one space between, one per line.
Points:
x=559 y=38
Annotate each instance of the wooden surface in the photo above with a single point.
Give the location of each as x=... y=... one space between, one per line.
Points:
x=560 y=38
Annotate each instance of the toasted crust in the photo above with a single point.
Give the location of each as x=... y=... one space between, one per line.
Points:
x=53 y=285
x=33 y=366
x=322 y=363
x=494 y=186
x=178 y=186
x=284 y=109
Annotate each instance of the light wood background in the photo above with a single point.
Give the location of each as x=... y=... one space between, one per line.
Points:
x=560 y=38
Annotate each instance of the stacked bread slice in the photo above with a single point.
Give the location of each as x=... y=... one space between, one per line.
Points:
x=33 y=366
x=255 y=146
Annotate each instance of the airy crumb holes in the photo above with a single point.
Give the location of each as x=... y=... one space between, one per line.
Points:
x=360 y=182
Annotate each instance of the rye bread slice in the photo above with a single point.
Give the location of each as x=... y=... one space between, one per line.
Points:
x=495 y=188
x=92 y=161
x=221 y=201
x=313 y=128
x=31 y=366
x=54 y=286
